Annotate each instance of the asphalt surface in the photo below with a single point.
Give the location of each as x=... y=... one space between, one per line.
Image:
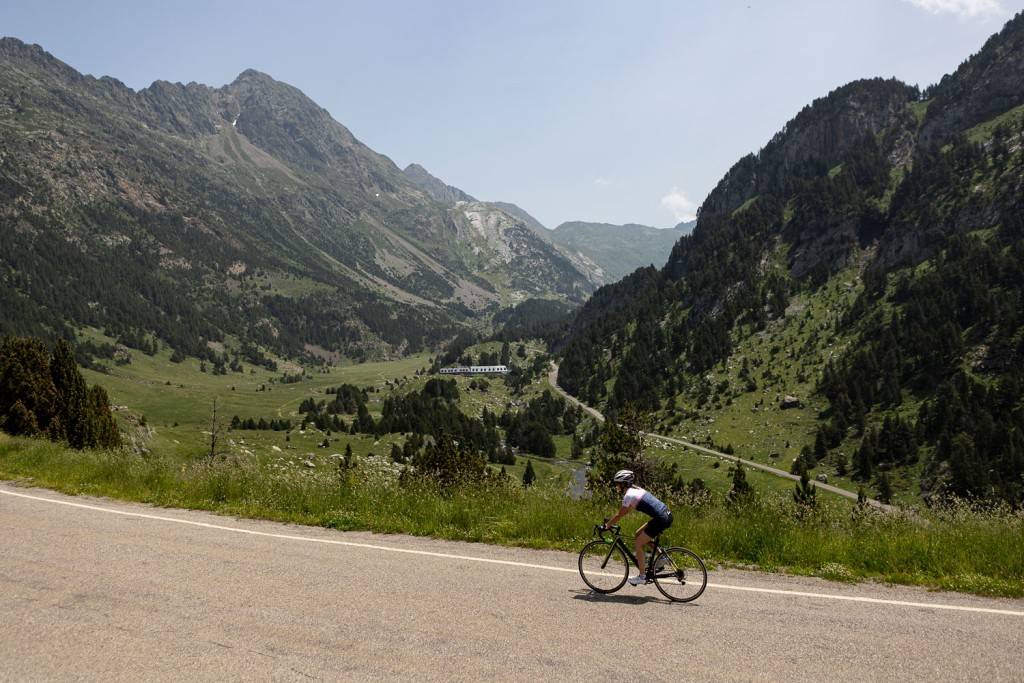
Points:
x=93 y=589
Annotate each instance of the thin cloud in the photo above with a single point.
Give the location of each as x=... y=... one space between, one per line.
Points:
x=602 y=182
x=965 y=9
x=682 y=208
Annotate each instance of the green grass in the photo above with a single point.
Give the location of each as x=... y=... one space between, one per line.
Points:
x=784 y=359
x=919 y=109
x=960 y=548
x=291 y=478
x=983 y=132
x=169 y=393
x=176 y=400
x=716 y=472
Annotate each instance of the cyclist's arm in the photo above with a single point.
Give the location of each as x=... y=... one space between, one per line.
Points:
x=618 y=515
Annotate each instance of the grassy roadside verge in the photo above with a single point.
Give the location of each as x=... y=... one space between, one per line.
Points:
x=958 y=548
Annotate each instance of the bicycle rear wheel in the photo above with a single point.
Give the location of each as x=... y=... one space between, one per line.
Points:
x=603 y=566
x=683 y=576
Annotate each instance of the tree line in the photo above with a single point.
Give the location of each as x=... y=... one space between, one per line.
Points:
x=44 y=394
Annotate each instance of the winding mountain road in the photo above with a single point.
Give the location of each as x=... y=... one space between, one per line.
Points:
x=553 y=380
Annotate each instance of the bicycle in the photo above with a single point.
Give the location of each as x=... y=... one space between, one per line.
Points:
x=678 y=573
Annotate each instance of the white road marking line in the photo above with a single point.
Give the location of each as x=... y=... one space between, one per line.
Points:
x=877 y=601
x=527 y=565
x=328 y=541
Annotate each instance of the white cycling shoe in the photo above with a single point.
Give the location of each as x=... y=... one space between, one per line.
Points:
x=638 y=579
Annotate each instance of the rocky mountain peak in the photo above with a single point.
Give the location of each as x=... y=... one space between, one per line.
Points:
x=821 y=133
x=252 y=76
x=190 y=111
x=14 y=51
x=435 y=187
x=986 y=85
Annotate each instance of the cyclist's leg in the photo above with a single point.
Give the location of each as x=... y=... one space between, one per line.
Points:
x=642 y=539
x=654 y=528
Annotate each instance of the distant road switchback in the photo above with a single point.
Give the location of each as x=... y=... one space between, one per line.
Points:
x=553 y=380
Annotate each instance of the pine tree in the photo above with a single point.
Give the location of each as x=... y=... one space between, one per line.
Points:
x=24 y=377
x=52 y=397
x=19 y=421
x=73 y=392
x=884 y=488
x=741 y=490
x=864 y=457
x=806 y=494
x=447 y=464
x=105 y=431
x=529 y=476
x=623 y=444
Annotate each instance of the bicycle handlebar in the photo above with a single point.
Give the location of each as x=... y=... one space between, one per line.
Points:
x=600 y=529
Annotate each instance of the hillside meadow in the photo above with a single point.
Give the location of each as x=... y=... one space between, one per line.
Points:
x=169 y=410
x=166 y=416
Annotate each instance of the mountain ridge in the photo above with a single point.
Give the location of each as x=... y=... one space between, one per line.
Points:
x=217 y=198
x=435 y=187
x=620 y=249
x=605 y=252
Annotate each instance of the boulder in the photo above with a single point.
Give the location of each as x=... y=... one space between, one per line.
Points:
x=788 y=402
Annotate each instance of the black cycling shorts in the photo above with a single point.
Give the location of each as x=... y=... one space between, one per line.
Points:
x=657 y=525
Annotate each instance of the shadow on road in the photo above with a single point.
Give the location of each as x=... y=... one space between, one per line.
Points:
x=619 y=598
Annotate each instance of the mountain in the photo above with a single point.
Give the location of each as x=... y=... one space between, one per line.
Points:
x=521 y=214
x=436 y=188
x=851 y=298
x=190 y=215
x=605 y=252
x=619 y=249
x=521 y=263
x=501 y=224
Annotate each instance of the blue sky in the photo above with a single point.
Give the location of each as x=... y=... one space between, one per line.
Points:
x=604 y=111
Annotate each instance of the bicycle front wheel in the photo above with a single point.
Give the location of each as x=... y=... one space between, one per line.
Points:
x=680 y=574
x=603 y=566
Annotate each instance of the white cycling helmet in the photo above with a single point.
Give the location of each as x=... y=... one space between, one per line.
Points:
x=624 y=477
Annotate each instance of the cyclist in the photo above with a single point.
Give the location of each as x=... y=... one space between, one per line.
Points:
x=636 y=498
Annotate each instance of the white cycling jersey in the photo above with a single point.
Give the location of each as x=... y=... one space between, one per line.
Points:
x=644 y=501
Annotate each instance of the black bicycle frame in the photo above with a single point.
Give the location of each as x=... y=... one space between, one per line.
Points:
x=625 y=548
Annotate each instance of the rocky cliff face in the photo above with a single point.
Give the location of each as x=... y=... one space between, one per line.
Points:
x=820 y=135
x=864 y=128
x=986 y=85
x=505 y=243
x=844 y=180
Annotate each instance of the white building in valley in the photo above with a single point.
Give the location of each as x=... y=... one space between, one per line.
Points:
x=476 y=370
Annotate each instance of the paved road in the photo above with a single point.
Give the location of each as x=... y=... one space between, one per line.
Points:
x=92 y=589
x=553 y=380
